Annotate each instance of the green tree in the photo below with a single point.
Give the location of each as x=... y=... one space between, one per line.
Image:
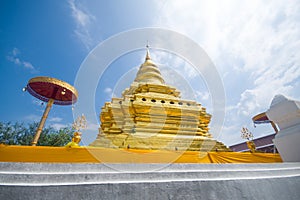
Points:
x=19 y=134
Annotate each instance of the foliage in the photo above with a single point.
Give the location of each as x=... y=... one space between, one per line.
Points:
x=20 y=134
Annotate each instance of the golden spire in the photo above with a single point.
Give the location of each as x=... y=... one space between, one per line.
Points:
x=148 y=53
x=149 y=72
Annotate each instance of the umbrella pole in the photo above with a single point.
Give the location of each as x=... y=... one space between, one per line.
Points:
x=42 y=123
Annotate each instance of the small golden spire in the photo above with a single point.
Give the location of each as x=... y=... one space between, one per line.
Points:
x=148 y=53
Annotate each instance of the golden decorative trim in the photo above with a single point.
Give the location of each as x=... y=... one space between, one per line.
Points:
x=56 y=82
x=258 y=116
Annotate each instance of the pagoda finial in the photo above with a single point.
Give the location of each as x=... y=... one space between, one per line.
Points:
x=148 y=53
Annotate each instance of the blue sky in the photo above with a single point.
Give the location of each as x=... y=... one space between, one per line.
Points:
x=255 y=46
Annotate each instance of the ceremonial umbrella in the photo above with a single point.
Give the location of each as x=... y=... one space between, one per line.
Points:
x=53 y=91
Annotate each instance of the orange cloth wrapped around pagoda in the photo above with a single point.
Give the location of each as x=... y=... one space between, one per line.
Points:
x=10 y=153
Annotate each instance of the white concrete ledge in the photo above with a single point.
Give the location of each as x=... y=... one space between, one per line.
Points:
x=149 y=181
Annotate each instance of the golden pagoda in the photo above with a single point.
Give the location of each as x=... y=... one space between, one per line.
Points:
x=149 y=124
x=151 y=115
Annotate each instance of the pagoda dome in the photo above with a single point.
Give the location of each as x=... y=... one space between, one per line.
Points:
x=149 y=72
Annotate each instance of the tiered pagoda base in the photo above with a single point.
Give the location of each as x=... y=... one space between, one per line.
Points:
x=159 y=142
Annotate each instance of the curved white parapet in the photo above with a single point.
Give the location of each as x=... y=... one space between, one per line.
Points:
x=287 y=141
x=286 y=114
x=135 y=181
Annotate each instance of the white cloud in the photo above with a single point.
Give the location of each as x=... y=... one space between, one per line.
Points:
x=14 y=56
x=92 y=126
x=81 y=17
x=15 y=52
x=83 y=20
x=165 y=59
x=55 y=119
x=53 y=122
x=254 y=44
x=32 y=118
x=28 y=65
x=14 y=60
x=204 y=96
x=108 y=90
x=232 y=138
x=58 y=126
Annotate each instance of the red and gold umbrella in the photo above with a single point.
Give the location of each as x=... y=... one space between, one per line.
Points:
x=53 y=91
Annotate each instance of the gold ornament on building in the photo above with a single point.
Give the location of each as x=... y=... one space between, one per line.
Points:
x=79 y=124
x=246 y=134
